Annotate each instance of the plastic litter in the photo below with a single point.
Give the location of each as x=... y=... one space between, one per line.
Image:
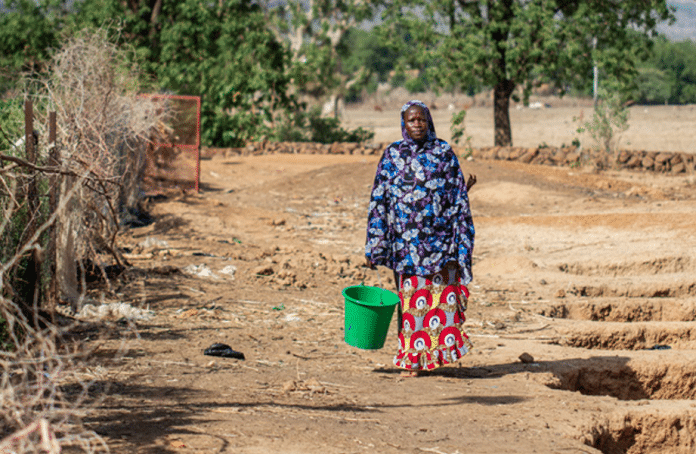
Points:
x=229 y=270
x=224 y=351
x=201 y=270
x=151 y=242
x=659 y=347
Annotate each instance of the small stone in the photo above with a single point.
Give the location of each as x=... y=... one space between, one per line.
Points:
x=526 y=358
x=560 y=293
x=264 y=270
x=289 y=386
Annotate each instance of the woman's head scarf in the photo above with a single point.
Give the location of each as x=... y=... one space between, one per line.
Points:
x=431 y=126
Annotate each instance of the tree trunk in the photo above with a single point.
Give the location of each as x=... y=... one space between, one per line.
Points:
x=501 y=112
x=500 y=12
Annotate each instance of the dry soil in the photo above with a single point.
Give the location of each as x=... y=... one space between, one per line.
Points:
x=592 y=275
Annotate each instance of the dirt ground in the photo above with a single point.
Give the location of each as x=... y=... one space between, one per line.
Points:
x=592 y=275
x=650 y=128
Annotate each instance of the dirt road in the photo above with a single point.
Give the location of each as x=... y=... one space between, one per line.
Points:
x=592 y=275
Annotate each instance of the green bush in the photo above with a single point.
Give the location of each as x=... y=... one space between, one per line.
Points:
x=11 y=124
x=310 y=126
x=416 y=85
x=609 y=120
x=654 y=86
x=329 y=130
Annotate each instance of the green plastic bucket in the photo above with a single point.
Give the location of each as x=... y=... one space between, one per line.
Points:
x=368 y=312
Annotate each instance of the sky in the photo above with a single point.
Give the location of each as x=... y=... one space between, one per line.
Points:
x=685 y=26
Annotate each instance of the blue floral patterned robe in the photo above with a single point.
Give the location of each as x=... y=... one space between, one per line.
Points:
x=419 y=216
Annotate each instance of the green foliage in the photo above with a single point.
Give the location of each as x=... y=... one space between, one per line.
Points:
x=28 y=30
x=310 y=126
x=364 y=53
x=223 y=51
x=609 y=120
x=11 y=124
x=417 y=84
x=315 y=32
x=228 y=56
x=458 y=126
x=362 y=49
x=329 y=130
x=654 y=86
x=669 y=74
x=511 y=43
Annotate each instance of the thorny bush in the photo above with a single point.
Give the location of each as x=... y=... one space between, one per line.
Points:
x=46 y=384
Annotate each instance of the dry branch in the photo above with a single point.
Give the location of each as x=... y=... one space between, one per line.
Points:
x=48 y=439
x=101 y=132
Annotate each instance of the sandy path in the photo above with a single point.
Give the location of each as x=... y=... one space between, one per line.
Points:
x=564 y=260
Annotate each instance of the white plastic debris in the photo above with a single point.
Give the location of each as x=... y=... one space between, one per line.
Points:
x=151 y=242
x=113 y=311
x=292 y=318
x=229 y=270
x=201 y=270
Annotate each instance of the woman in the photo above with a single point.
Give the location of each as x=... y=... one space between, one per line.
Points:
x=420 y=226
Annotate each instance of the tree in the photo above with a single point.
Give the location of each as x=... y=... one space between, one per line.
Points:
x=314 y=30
x=223 y=51
x=677 y=63
x=520 y=44
x=28 y=30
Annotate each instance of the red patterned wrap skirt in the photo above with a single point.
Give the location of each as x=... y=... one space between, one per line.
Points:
x=431 y=332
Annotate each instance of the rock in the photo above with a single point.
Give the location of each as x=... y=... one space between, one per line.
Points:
x=516 y=153
x=264 y=270
x=530 y=154
x=662 y=158
x=635 y=161
x=679 y=168
x=624 y=157
x=526 y=358
x=560 y=293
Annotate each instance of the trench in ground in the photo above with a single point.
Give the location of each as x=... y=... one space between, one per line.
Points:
x=644 y=434
x=624 y=310
x=631 y=268
x=632 y=336
x=660 y=377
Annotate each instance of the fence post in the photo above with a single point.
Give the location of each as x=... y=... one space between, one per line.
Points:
x=54 y=188
x=32 y=273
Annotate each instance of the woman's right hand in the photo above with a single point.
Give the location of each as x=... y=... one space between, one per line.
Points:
x=369 y=264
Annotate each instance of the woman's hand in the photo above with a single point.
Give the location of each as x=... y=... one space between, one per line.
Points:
x=470 y=181
x=369 y=264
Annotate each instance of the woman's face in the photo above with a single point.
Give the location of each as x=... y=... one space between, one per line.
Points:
x=415 y=123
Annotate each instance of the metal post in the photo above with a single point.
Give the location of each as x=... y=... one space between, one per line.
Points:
x=595 y=71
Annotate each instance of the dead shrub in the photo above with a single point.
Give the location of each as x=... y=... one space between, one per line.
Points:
x=46 y=386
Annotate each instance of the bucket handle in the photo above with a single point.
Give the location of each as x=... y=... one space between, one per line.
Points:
x=381 y=293
x=379 y=280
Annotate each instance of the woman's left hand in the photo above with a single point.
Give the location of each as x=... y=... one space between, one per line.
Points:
x=470 y=181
